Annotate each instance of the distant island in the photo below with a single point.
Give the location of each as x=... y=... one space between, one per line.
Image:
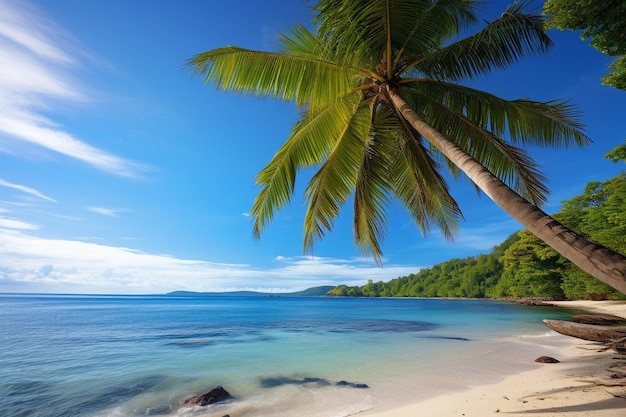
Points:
x=309 y=292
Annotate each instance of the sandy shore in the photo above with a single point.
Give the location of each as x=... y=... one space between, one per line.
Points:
x=565 y=389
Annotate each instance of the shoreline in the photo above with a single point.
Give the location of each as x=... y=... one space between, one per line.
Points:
x=565 y=389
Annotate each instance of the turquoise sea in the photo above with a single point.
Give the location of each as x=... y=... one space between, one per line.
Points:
x=71 y=355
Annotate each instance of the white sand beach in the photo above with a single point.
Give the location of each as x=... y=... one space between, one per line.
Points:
x=566 y=389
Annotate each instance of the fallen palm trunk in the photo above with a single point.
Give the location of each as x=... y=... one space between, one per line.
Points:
x=604 y=334
x=599 y=319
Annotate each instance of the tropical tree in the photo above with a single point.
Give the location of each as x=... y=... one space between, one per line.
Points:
x=383 y=113
x=530 y=269
x=617 y=154
x=603 y=22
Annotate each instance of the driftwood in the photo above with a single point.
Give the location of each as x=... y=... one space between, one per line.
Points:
x=604 y=383
x=619 y=345
x=604 y=334
x=600 y=319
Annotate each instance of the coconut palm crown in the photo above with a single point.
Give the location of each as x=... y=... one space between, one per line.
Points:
x=384 y=113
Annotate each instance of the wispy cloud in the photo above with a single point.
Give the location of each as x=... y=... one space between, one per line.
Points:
x=38 y=58
x=487 y=235
x=26 y=190
x=69 y=265
x=106 y=211
x=8 y=223
x=342 y=271
x=470 y=240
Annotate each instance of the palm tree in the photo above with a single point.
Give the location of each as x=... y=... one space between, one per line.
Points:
x=383 y=113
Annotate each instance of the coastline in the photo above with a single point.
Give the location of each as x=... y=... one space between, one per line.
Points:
x=565 y=389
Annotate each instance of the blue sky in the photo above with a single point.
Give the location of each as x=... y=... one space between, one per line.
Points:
x=122 y=174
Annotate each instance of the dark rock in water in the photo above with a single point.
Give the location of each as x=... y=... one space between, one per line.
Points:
x=271 y=382
x=351 y=384
x=462 y=339
x=318 y=381
x=534 y=301
x=212 y=396
x=546 y=359
x=121 y=392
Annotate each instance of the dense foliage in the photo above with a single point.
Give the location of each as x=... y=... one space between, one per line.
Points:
x=602 y=21
x=523 y=266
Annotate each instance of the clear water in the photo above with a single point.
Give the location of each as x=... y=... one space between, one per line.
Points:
x=278 y=356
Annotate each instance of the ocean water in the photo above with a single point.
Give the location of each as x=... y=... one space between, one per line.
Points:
x=127 y=356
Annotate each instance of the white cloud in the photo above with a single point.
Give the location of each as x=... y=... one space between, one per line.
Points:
x=26 y=190
x=472 y=240
x=106 y=211
x=35 y=74
x=77 y=266
x=16 y=224
x=14 y=26
x=342 y=271
x=488 y=235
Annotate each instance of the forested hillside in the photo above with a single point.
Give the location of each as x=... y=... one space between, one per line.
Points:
x=523 y=266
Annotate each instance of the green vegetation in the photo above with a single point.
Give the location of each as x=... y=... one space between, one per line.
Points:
x=603 y=21
x=523 y=266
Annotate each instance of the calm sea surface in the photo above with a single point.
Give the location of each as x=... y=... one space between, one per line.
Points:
x=66 y=355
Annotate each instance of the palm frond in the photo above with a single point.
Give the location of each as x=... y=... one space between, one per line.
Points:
x=554 y=123
x=355 y=29
x=373 y=186
x=514 y=35
x=274 y=75
x=510 y=164
x=334 y=182
x=420 y=187
x=374 y=29
x=312 y=139
x=424 y=32
x=300 y=41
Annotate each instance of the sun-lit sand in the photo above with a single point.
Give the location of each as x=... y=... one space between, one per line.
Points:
x=567 y=389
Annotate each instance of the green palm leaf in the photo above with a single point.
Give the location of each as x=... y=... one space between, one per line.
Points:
x=421 y=188
x=312 y=139
x=274 y=75
x=373 y=185
x=334 y=182
x=477 y=122
x=503 y=42
x=525 y=122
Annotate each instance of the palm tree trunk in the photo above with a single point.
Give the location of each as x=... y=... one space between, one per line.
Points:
x=604 y=264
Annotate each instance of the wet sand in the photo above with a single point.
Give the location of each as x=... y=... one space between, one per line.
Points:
x=582 y=384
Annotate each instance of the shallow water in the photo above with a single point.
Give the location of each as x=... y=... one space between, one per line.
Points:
x=141 y=355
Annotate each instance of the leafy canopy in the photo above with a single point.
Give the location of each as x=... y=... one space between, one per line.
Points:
x=603 y=21
x=617 y=154
x=364 y=151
